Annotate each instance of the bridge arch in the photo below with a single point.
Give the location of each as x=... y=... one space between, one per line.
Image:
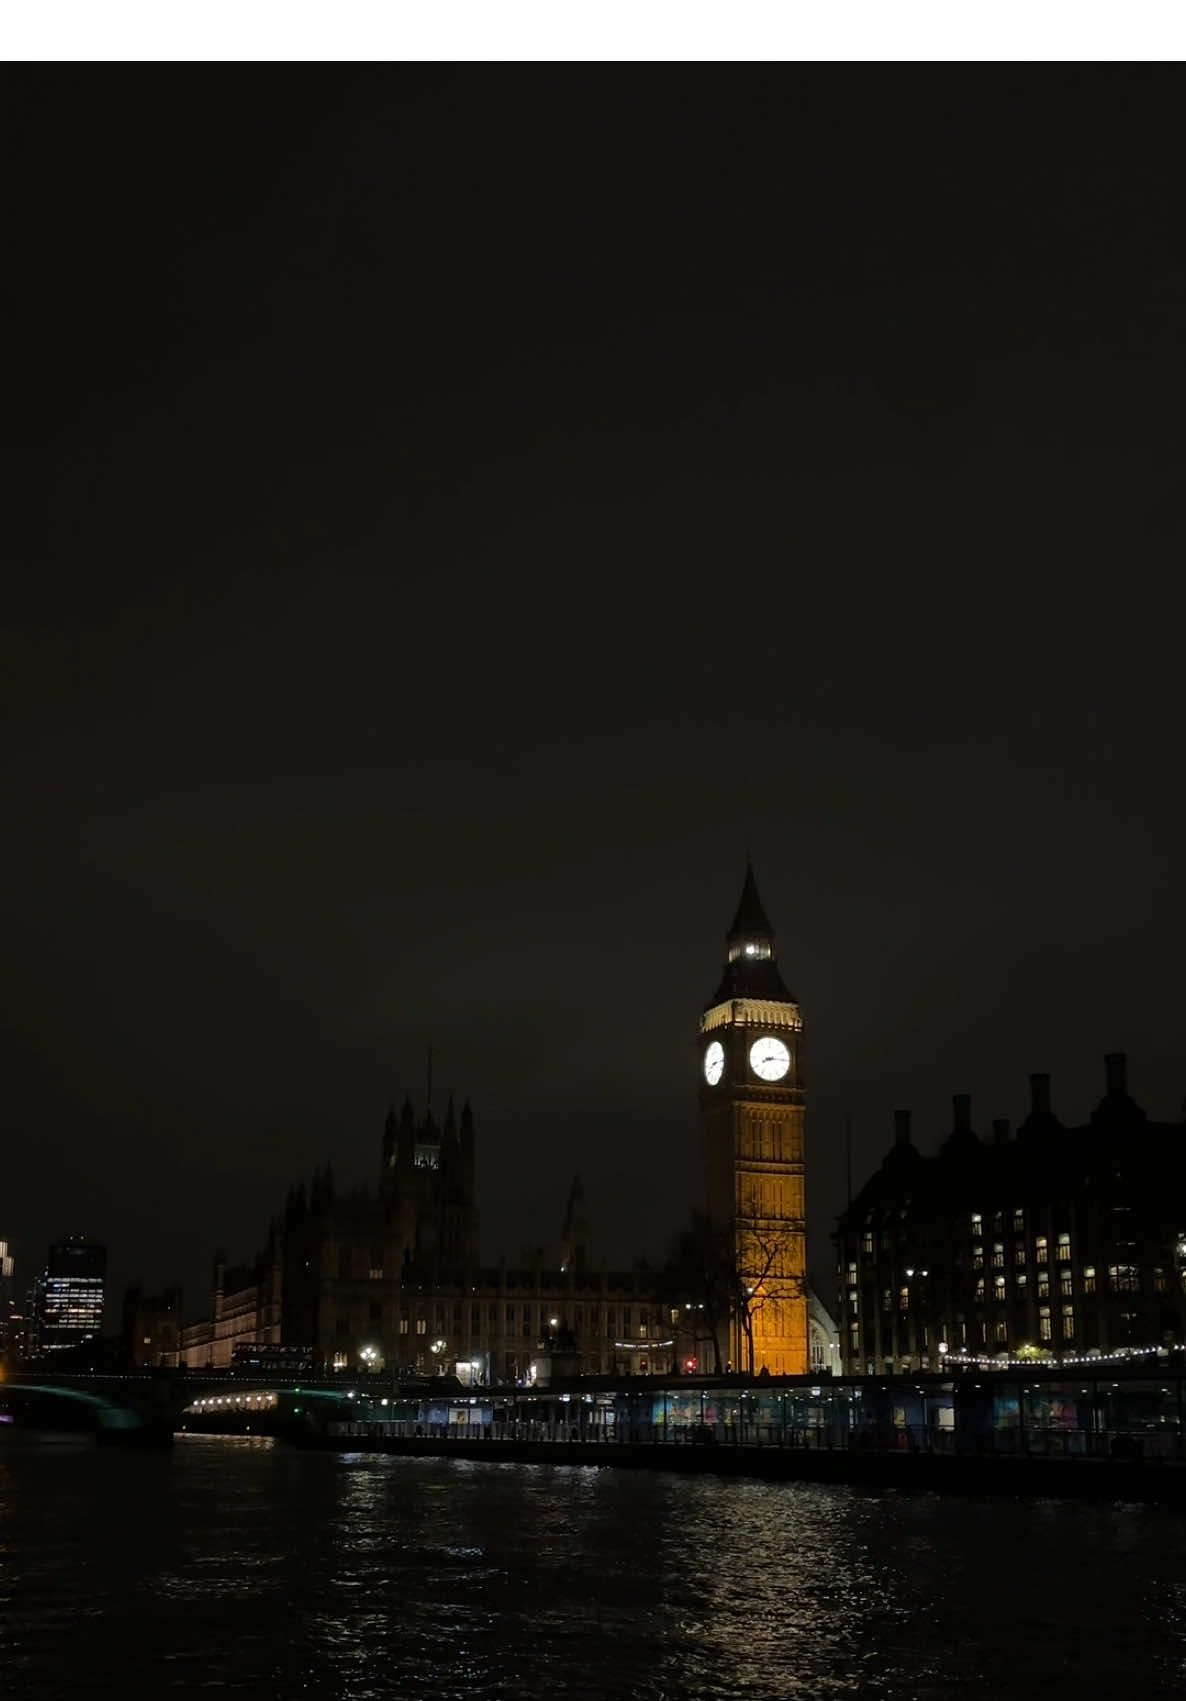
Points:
x=108 y=1415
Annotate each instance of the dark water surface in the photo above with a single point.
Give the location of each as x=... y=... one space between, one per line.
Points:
x=246 y=1567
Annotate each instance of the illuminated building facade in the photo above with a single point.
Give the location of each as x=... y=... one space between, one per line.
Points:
x=396 y=1274
x=245 y=1309
x=390 y=1278
x=1064 y=1241
x=752 y=1110
x=70 y=1295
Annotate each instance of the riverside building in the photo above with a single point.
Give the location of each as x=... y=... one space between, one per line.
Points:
x=1062 y=1242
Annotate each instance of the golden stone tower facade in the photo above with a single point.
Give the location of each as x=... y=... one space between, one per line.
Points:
x=752 y=1108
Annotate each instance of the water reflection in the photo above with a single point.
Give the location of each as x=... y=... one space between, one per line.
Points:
x=251 y=1567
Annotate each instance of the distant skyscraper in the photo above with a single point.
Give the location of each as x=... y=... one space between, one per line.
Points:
x=70 y=1298
x=10 y=1313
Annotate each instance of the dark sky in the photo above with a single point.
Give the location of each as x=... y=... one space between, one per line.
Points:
x=452 y=514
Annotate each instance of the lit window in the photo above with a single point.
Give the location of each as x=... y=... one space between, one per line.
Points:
x=1001 y=1333
x=1068 y=1322
x=980 y=1287
x=1019 y=1255
x=1020 y=1281
x=904 y=1299
x=1089 y=1278
x=1043 y=1284
x=675 y=1314
x=1041 y=1252
x=999 y=1287
x=978 y=1256
x=1064 y=1248
x=1044 y=1322
x=422 y=1325
x=977 y=1219
x=1159 y=1281
x=854 y=1304
x=376 y=1275
x=1123 y=1278
x=998 y=1255
x=403 y=1325
x=1018 y=1220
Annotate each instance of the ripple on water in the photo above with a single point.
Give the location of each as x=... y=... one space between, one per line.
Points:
x=260 y=1570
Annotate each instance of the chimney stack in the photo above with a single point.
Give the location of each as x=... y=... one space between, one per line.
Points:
x=1039 y=1095
x=1116 y=1063
x=901 y=1128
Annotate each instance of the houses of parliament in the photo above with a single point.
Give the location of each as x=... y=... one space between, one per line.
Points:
x=392 y=1274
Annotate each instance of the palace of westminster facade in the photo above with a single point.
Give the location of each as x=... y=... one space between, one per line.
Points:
x=393 y=1276
x=1057 y=1241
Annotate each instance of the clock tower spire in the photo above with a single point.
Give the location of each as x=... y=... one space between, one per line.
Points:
x=752 y=1109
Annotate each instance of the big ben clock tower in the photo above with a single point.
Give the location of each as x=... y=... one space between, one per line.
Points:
x=751 y=1105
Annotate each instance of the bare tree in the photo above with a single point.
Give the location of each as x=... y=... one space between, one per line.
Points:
x=731 y=1273
x=763 y=1252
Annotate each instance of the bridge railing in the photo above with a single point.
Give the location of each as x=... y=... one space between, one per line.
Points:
x=1069 y=1444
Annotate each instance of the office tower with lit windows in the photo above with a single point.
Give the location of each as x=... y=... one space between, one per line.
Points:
x=70 y=1296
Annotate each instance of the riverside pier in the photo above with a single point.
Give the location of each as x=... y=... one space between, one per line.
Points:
x=1114 y=1431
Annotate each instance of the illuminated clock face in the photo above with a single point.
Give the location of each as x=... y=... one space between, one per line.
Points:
x=714 y=1063
x=769 y=1058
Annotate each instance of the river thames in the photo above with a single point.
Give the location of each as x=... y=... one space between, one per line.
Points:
x=246 y=1567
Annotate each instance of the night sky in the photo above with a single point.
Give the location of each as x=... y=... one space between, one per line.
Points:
x=452 y=517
